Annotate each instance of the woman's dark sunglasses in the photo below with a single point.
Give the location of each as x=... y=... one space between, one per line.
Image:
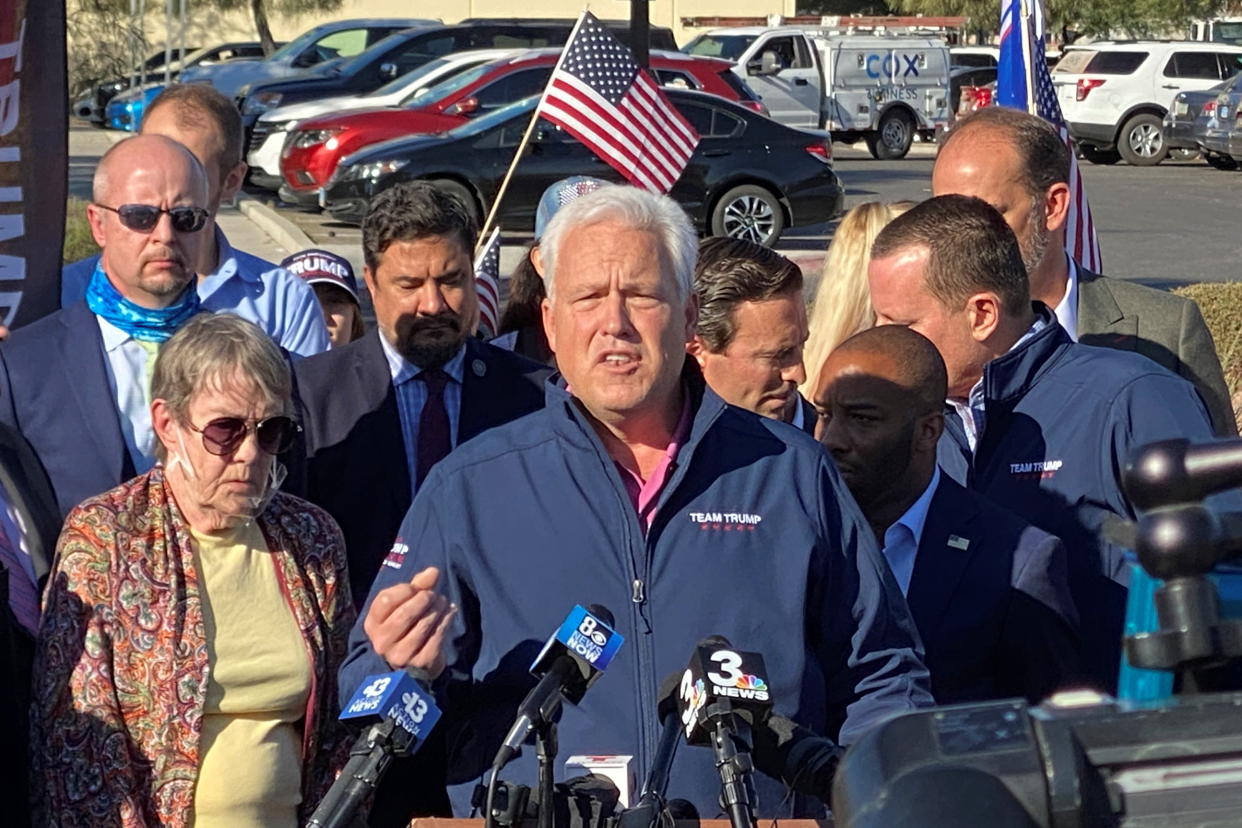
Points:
x=143 y=217
x=223 y=435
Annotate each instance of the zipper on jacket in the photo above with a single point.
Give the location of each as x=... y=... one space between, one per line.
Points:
x=638 y=596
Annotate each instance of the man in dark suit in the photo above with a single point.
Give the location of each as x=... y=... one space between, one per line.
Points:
x=76 y=384
x=380 y=411
x=1018 y=163
x=28 y=528
x=752 y=326
x=989 y=592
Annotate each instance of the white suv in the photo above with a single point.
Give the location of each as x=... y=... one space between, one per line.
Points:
x=1115 y=94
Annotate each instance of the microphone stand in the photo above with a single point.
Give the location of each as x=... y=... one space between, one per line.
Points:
x=731 y=745
x=545 y=748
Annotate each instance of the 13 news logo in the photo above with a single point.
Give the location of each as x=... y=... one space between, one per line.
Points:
x=396 y=695
x=589 y=637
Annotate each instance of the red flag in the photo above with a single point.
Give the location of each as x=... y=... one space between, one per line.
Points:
x=603 y=98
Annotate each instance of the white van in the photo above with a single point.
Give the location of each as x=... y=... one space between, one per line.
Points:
x=883 y=89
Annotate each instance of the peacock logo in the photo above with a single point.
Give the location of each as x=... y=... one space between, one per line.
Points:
x=750 y=682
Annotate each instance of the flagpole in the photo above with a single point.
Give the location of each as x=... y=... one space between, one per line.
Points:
x=530 y=128
x=1024 y=17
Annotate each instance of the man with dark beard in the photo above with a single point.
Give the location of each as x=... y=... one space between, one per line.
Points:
x=380 y=411
x=1018 y=163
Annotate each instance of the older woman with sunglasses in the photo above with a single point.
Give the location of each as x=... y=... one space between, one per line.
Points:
x=196 y=616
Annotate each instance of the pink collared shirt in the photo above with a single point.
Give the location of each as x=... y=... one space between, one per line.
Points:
x=645 y=493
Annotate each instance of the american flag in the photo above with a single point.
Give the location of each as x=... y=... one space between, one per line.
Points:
x=603 y=98
x=1011 y=90
x=487 y=284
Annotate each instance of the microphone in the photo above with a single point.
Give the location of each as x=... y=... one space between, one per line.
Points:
x=651 y=805
x=797 y=756
x=400 y=713
x=723 y=695
x=573 y=659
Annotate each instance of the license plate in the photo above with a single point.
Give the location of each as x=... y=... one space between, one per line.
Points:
x=1222 y=112
x=1180 y=108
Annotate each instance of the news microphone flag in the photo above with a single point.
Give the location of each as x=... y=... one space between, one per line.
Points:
x=396 y=695
x=590 y=638
x=602 y=97
x=1023 y=66
x=487 y=284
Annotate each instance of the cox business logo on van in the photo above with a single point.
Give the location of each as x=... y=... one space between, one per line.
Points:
x=589 y=637
x=883 y=66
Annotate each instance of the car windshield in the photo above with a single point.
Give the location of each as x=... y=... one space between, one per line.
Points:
x=445 y=88
x=297 y=44
x=1227 y=33
x=729 y=47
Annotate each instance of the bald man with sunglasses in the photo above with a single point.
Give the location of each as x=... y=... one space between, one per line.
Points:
x=76 y=384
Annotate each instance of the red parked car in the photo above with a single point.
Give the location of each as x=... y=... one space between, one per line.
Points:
x=312 y=151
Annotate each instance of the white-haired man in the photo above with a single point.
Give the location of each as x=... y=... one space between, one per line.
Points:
x=638 y=488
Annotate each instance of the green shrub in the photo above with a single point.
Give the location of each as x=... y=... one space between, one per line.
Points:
x=78 y=240
x=1221 y=303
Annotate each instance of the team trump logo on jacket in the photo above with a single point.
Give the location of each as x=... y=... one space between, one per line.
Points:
x=1036 y=469
x=396 y=555
x=725 y=521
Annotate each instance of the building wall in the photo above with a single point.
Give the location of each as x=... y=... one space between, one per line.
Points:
x=206 y=27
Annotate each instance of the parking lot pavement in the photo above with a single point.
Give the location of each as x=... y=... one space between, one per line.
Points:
x=1166 y=225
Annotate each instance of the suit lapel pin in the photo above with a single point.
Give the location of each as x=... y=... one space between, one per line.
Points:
x=478 y=367
x=958 y=542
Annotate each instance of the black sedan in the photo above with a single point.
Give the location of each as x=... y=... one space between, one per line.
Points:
x=750 y=177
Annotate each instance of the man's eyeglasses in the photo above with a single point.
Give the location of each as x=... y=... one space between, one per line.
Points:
x=223 y=435
x=142 y=218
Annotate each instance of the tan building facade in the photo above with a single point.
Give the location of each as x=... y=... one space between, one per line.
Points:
x=206 y=27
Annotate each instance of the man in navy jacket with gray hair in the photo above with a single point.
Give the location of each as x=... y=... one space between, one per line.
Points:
x=639 y=489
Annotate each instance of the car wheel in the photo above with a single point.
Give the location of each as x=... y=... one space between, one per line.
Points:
x=892 y=140
x=1220 y=162
x=1142 y=140
x=751 y=213
x=462 y=193
x=1098 y=156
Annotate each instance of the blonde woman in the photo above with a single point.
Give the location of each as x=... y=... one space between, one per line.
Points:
x=842 y=305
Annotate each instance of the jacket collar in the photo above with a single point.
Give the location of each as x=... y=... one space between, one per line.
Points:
x=1011 y=375
x=704 y=402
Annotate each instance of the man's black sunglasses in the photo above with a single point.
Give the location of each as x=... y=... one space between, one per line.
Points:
x=143 y=217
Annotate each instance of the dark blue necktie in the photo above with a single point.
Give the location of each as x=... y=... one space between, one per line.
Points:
x=434 y=439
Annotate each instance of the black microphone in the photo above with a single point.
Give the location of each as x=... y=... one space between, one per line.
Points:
x=400 y=713
x=651 y=805
x=723 y=694
x=797 y=756
x=573 y=659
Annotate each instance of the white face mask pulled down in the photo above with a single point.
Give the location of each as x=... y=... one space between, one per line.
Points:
x=255 y=504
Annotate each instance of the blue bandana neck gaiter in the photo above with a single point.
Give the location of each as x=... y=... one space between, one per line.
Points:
x=143 y=324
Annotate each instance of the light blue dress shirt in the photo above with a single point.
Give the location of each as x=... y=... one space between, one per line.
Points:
x=276 y=300
x=126 y=361
x=973 y=410
x=412 y=395
x=901 y=540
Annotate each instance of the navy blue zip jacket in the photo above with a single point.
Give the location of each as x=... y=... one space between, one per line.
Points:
x=755 y=538
x=1061 y=421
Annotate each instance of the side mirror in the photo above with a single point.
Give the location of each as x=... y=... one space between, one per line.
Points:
x=388 y=71
x=767 y=64
x=308 y=58
x=466 y=106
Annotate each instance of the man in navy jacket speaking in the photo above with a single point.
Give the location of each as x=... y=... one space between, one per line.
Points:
x=636 y=488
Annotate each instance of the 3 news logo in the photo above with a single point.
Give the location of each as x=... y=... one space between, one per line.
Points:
x=589 y=637
x=721 y=674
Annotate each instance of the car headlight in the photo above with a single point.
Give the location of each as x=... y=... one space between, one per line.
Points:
x=373 y=170
x=313 y=137
x=262 y=102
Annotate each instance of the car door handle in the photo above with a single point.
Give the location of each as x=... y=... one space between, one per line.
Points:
x=801 y=81
x=716 y=153
x=1170 y=86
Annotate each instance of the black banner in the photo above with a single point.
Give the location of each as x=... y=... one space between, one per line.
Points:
x=34 y=145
